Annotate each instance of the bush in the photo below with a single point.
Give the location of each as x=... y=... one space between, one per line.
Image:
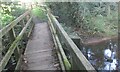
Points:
x=39 y=13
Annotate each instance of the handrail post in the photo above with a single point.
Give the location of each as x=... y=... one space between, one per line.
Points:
x=12 y=38
x=14 y=41
x=1 y=46
x=78 y=60
x=23 y=22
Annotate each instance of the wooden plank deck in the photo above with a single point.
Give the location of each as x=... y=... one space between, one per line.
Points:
x=39 y=51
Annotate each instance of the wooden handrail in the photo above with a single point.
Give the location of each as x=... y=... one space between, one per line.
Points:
x=59 y=48
x=7 y=28
x=79 y=61
x=14 y=40
x=13 y=46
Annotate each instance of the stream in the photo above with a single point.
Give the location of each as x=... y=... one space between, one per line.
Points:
x=104 y=56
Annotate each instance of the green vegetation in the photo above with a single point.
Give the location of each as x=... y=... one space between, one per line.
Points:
x=39 y=13
x=99 y=18
x=78 y=19
x=9 y=11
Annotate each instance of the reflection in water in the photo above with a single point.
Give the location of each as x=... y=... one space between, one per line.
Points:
x=103 y=56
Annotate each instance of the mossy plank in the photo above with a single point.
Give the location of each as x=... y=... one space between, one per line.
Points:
x=13 y=46
x=56 y=46
x=79 y=58
x=65 y=60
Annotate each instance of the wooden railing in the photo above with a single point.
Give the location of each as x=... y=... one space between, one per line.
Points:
x=15 y=39
x=77 y=60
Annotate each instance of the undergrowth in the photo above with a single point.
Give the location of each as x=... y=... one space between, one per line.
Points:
x=39 y=13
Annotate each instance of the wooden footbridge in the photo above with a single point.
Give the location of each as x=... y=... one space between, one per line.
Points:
x=48 y=48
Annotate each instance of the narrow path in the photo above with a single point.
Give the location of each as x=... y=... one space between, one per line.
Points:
x=40 y=51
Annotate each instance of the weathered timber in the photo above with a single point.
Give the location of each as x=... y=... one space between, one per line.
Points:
x=14 y=32
x=1 y=47
x=23 y=22
x=12 y=24
x=17 y=50
x=40 y=49
x=60 y=49
x=76 y=40
x=78 y=58
x=18 y=64
x=13 y=46
x=58 y=53
x=12 y=38
x=31 y=28
x=119 y=29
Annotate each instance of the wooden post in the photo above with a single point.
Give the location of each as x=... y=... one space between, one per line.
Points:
x=13 y=46
x=79 y=60
x=0 y=42
x=118 y=30
x=17 y=68
x=12 y=38
x=14 y=41
x=23 y=22
x=1 y=47
x=65 y=63
x=76 y=40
